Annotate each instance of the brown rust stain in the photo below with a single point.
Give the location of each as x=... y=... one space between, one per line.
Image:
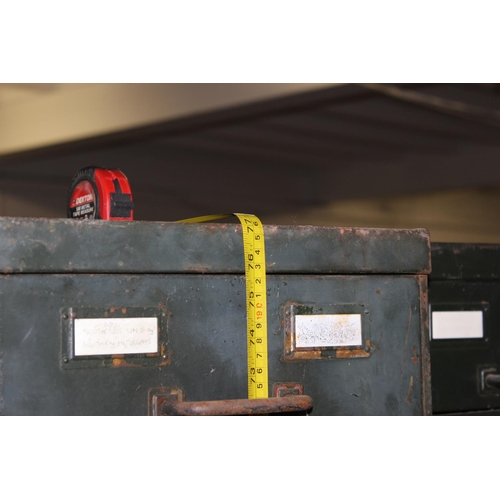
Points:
x=199 y=269
x=271 y=229
x=352 y=353
x=162 y=350
x=281 y=389
x=368 y=232
x=124 y=310
x=167 y=358
x=303 y=355
x=410 y=389
x=237 y=406
x=425 y=347
x=406 y=344
x=120 y=363
x=415 y=358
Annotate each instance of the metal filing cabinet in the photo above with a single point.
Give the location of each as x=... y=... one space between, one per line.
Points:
x=179 y=292
x=464 y=302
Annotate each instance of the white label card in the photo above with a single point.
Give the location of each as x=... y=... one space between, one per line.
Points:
x=457 y=325
x=107 y=336
x=327 y=330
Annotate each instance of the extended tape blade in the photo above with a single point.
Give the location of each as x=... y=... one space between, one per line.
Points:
x=256 y=299
x=205 y=218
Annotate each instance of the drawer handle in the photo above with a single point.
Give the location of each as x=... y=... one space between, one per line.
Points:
x=492 y=380
x=235 y=407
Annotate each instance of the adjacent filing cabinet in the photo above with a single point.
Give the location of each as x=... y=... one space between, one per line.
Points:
x=464 y=302
x=109 y=318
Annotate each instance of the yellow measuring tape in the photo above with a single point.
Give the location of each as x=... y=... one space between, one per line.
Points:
x=256 y=299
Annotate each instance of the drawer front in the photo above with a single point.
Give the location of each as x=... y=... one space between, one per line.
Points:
x=200 y=333
x=465 y=345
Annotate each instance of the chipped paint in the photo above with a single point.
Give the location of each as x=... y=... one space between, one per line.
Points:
x=352 y=353
x=415 y=357
x=425 y=355
x=410 y=389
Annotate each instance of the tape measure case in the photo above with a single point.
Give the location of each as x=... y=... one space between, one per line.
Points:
x=136 y=318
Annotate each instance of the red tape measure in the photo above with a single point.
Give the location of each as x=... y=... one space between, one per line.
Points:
x=100 y=193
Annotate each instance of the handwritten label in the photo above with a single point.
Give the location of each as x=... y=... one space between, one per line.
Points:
x=107 y=336
x=327 y=330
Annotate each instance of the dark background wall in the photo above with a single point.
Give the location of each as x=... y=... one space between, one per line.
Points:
x=405 y=156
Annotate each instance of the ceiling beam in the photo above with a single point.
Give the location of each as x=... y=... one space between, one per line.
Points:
x=74 y=113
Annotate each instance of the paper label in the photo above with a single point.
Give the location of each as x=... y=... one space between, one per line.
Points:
x=107 y=336
x=457 y=325
x=327 y=330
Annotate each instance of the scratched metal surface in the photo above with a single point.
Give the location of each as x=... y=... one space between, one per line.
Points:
x=465 y=261
x=63 y=246
x=207 y=343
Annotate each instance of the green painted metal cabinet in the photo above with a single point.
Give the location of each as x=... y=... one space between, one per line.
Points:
x=149 y=318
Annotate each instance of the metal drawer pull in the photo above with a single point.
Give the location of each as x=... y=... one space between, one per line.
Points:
x=229 y=407
x=492 y=380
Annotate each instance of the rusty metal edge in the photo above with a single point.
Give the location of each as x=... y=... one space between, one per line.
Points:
x=233 y=407
x=66 y=246
x=425 y=346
